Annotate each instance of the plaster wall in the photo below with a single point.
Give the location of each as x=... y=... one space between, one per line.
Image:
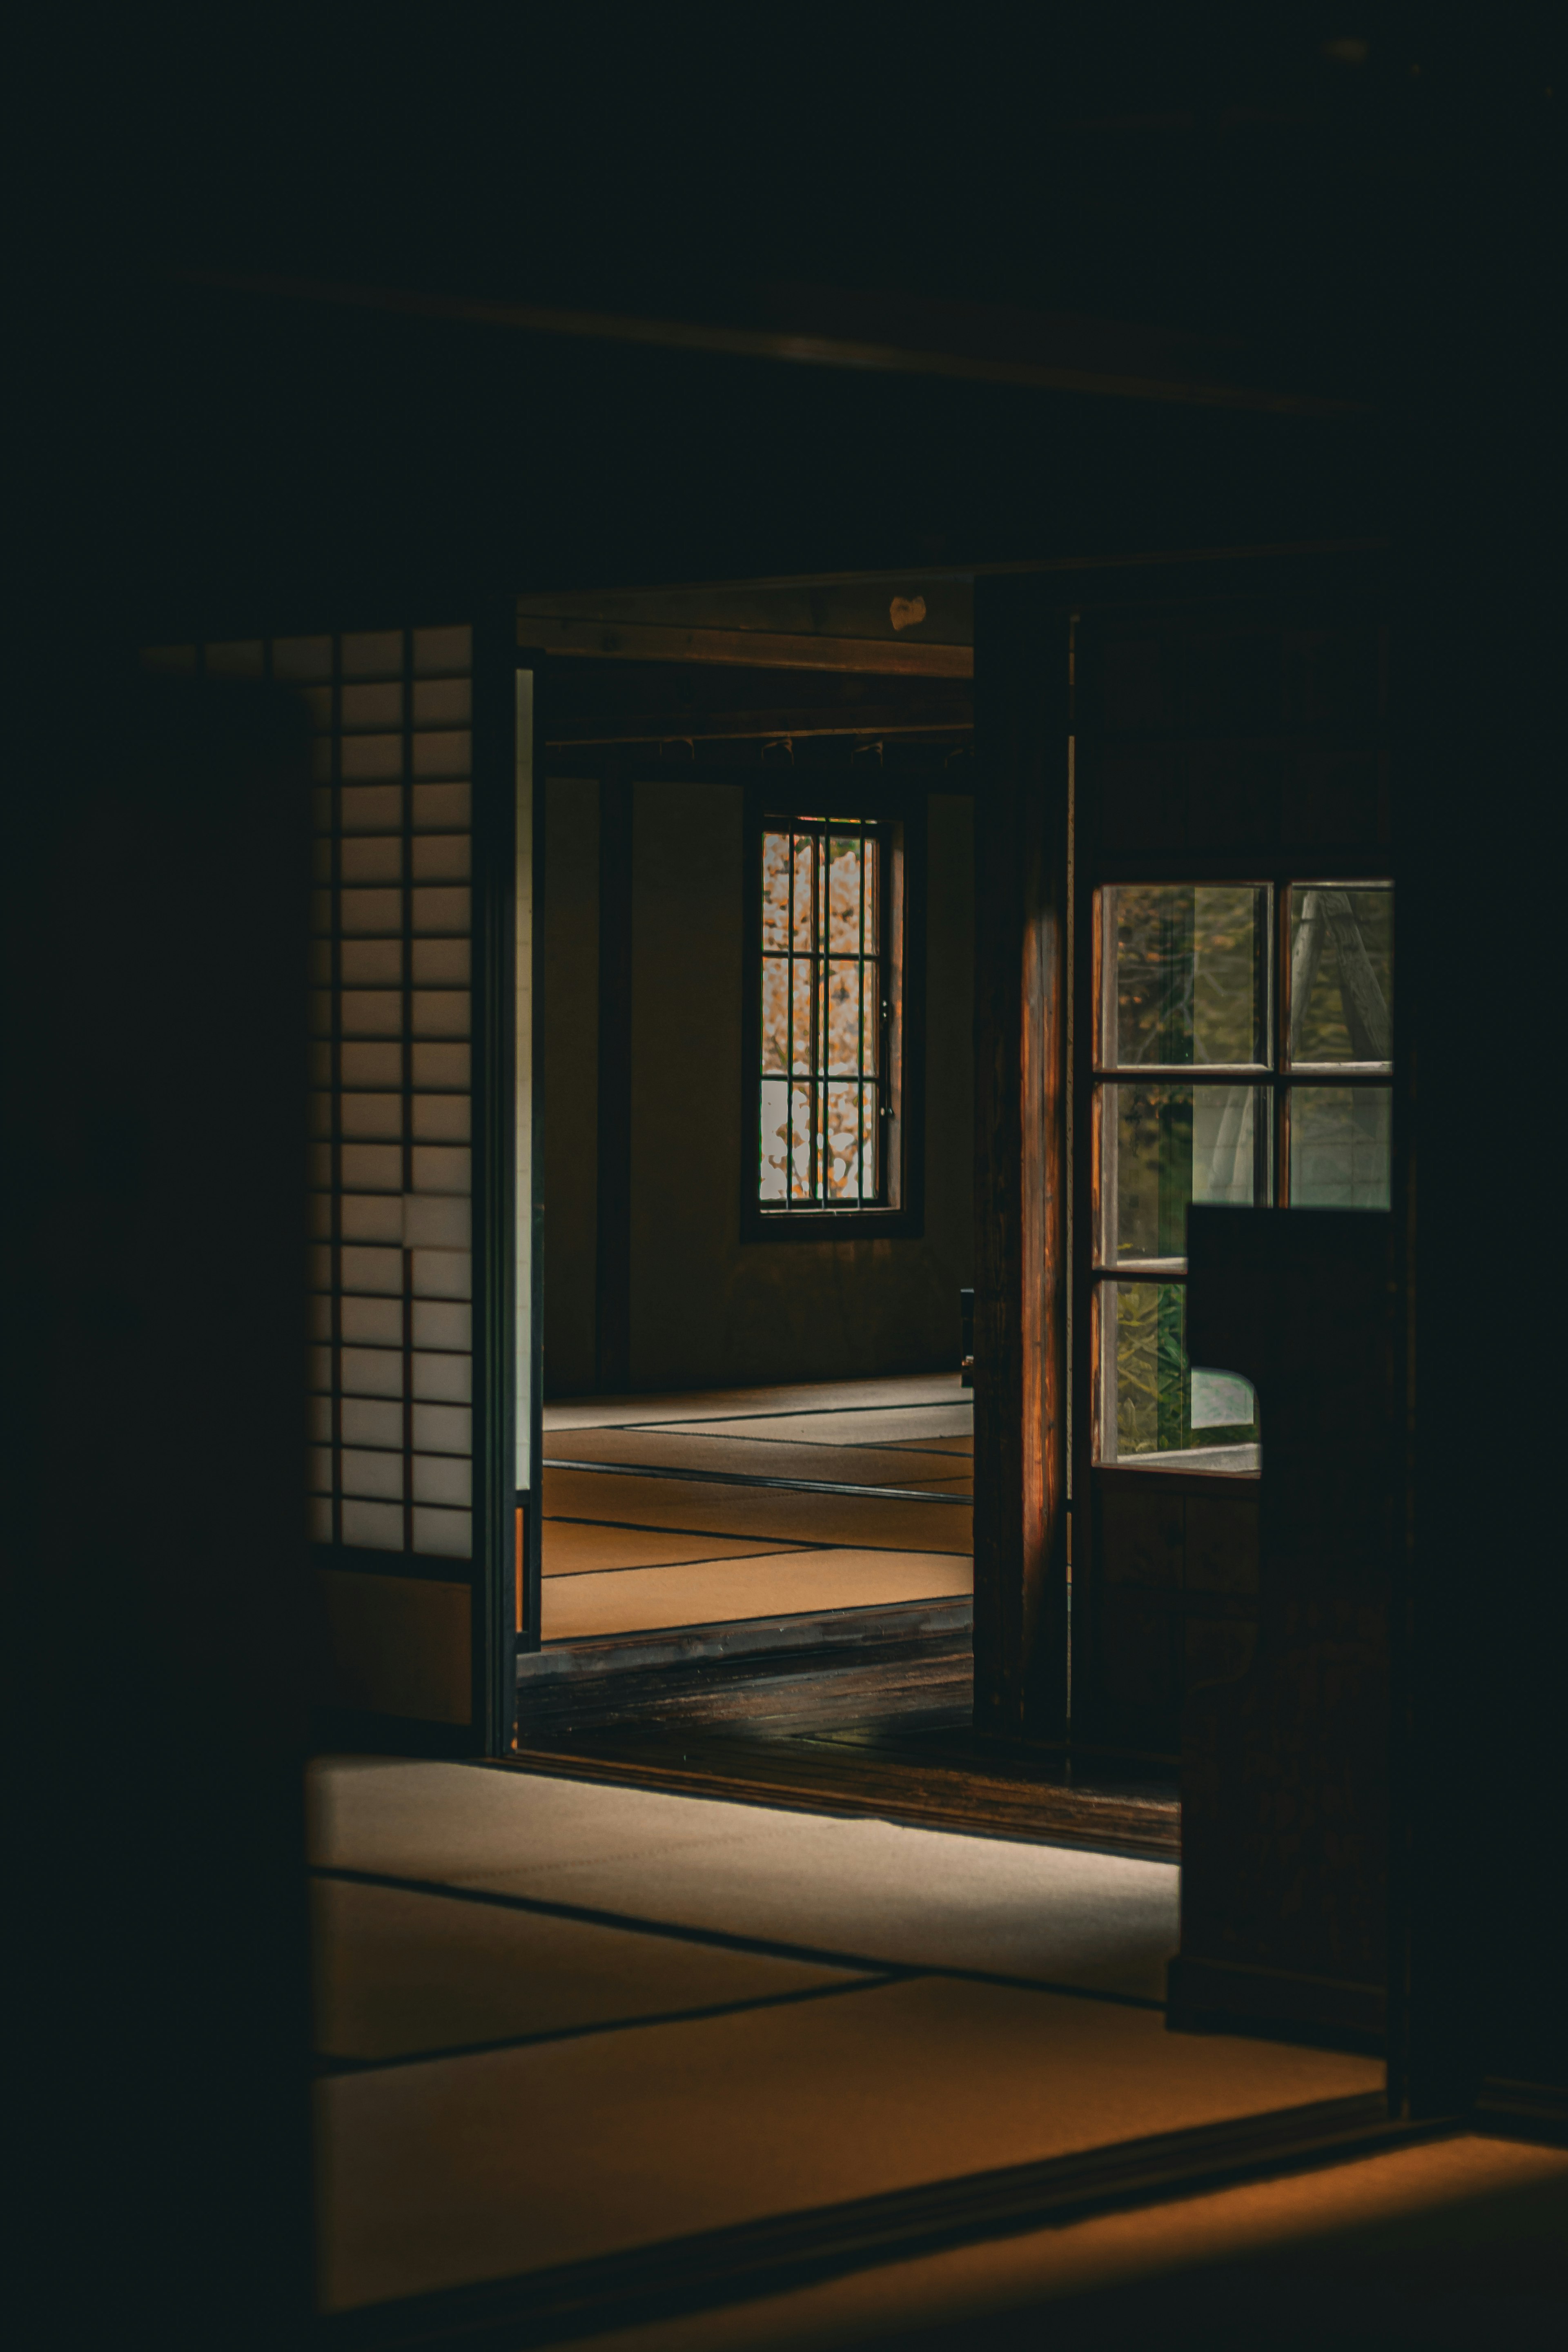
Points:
x=707 y=1308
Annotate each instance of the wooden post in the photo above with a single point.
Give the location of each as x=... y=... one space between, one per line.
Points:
x=612 y=1310
x=1022 y=719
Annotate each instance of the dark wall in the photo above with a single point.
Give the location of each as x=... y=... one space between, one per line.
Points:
x=151 y=1435
x=708 y=1308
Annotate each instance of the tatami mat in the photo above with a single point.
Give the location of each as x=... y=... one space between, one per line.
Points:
x=397 y=1973
x=1439 y=2191
x=475 y=2168
x=643 y=1553
x=741 y=1455
x=768 y=1512
x=868 y=1889
x=632 y=2126
x=853 y=1425
x=638 y=1600
x=572 y=1547
x=900 y=1390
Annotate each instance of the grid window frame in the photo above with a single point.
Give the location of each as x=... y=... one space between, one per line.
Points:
x=896 y=820
x=809 y=1073
x=1275 y=1080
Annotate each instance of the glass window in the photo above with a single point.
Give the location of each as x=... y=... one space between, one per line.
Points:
x=1340 y=1156
x=1196 y=1079
x=1152 y=1404
x=1163 y=1144
x=1342 y=975
x=1188 y=975
x=829 y=986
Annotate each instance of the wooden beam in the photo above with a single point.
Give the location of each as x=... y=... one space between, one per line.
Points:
x=748 y=649
x=746 y=726
x=815 y=327
x=1020 y=1196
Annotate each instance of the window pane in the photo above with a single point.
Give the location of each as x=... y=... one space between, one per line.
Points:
x=1153 y=1407
x=851 y=1142
x=1340 y=1147
x=1184 y=975
x=803 y=903
x=850 y=1024
x=801 y=993
x=802 y=1142
x=775 y=892
x=846 y=896
x=774 y=1139
x=1342 y=974
x=1163 y=1145
x=775 y=1013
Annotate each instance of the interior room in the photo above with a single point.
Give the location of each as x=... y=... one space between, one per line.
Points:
x=771 y=879
x=750 y=1700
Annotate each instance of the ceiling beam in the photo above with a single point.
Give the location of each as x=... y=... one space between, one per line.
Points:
x=752 y=726
x=744 y=649
x=1044 y=353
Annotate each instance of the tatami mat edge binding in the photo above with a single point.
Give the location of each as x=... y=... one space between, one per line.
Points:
x=754 y=1478
x=714 y=2268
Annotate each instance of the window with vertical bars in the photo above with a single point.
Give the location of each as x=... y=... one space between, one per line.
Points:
x=390 y=1361
x=829 y=986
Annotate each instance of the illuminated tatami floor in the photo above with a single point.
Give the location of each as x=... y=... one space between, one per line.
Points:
x=1444 y=2247
x=722 y=1506
x=563 y=2020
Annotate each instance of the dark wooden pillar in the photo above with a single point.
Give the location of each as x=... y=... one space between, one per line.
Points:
x=1479 y=2020
x=612 y=1270
x=1022 y=807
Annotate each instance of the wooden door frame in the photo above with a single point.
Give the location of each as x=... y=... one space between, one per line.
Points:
x=1023 y=809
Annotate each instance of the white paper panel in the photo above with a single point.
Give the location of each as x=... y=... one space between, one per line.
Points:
x=445 y=1534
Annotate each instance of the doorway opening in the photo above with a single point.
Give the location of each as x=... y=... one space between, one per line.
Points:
x=757 y=916
x=758 y=919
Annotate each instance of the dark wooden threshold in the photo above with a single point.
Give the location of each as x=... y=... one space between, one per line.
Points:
x=813 y=1776
x=788 y=2251
x=836 y=1632
x=853 y=1712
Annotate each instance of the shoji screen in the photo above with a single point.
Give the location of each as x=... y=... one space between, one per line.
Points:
x=392 y=1500
x=391 y=1374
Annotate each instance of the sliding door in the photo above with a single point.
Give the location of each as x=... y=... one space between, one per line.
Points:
x=421 y=1396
